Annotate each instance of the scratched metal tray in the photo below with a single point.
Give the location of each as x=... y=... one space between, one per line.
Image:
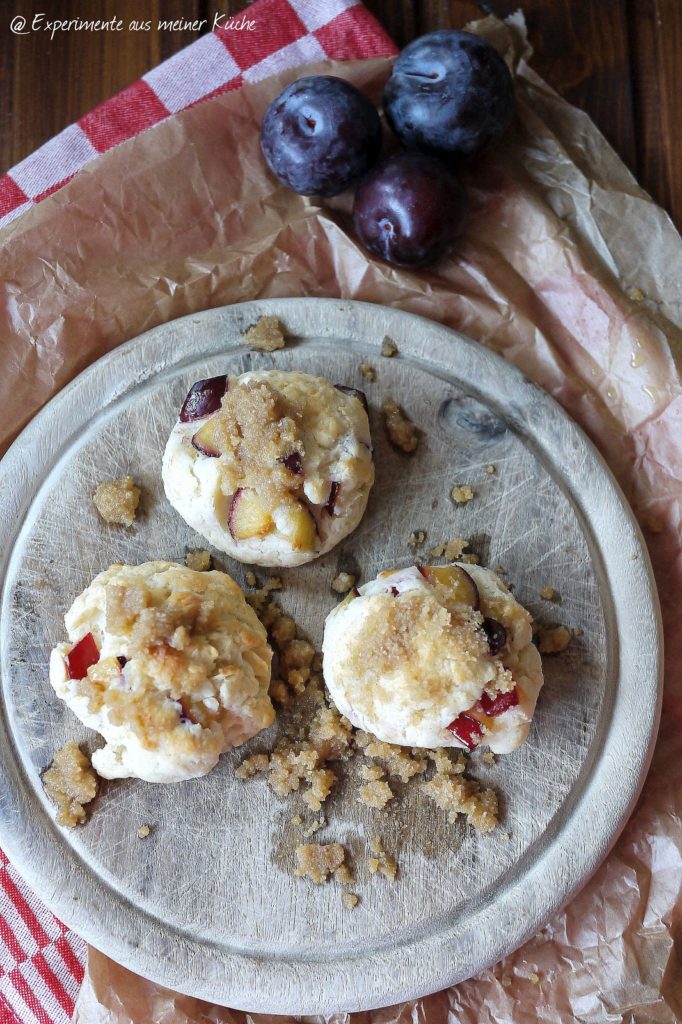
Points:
x=207 y=903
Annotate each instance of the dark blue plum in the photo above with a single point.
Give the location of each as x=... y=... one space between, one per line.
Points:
x=450 y=93
x=409 y=209
x=319 y=135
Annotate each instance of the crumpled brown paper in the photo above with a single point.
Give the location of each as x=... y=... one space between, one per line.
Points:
x=567 y=268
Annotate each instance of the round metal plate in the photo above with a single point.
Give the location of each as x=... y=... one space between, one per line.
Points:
x=207 y=904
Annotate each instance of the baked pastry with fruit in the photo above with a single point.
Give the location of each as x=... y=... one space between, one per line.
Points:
x=434 y=656
x=170 y=665
x=273 y=467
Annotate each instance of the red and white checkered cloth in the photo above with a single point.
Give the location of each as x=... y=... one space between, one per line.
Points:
x=41 y=961
x=286 y=33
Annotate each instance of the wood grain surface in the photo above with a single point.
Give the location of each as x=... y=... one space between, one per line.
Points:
x=207 y=904
x=616 y=59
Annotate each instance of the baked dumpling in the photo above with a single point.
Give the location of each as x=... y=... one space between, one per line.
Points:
x=170 y=665
x=273 y=467
x=434 y=656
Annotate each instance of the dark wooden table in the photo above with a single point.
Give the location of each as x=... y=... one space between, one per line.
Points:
x=620 y=60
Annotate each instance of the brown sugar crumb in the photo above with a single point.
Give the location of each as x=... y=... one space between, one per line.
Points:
x=371 y=772
x=382 y=862
x=534 y=978
x=314 y=827
x=266 y=335
x=457 y=795
x=70 y=782
x=117 y=501
x=490 y=470
x=318 y=861
x=506 y=981
x=398 y=761
x=143 y=831
x=344 y=875
x=461 y=493
x=259 y=598
x=445 y=765
x=321 y=784
x=452 y=550
x=553 y=641
x=331 y=734
x=388 y=347
x=416 y=539
x=343 y=583
x=368 y=372
x=251 y=580
x=252 y=766
x=635 y=294
x=550 y=594
x=200 y=561
x=350 y=900
x=500 y=570
x=578 y=631
x=488 y=758
x=401 y=431
x=375 y=794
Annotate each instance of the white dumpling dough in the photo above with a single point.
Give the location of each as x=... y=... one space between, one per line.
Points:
x=406 y=655
x=193 y=677
x=298 y=515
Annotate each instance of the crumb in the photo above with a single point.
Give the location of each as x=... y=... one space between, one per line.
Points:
x=490 y=470
x=259 y=598
x=500 y=570
x=375 y=794
x=416 y=538
x=488 y=758
x=200 y=561
x=371 y=772
x=266 y=335
x=635 y=294
x=506 y=981
x=344 y=875
x=461 y=493
x=550 y=594
x=554 y=641
x=399 y=761
x=368 y=372
x=382 y=862
x=316 y=825
x=534 y=978
x=117 y=501
x=252 y=766
x=318 y=861
x=279 y=692
x=451 y=550
x=70 y=782
x=251 y=580
x=388 y=347
x=445 y=765
x=343 y=583
x=470 y=559
x=458 y=795
x=321 y=782
x=297 y=820
x=401 y=431
x=143 y=831
x=578 y=631
x=350 y=900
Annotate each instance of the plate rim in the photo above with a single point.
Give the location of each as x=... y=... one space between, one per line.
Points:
x=302 y=987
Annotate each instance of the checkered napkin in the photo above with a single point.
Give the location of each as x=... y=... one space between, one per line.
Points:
x=41 y=961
